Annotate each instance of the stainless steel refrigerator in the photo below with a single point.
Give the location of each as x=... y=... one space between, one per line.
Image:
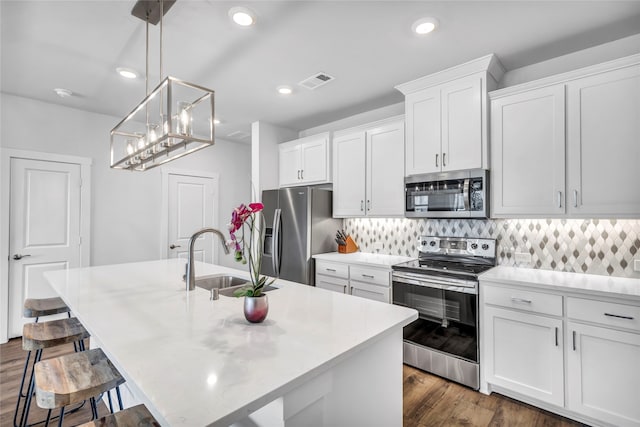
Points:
x=298 y=225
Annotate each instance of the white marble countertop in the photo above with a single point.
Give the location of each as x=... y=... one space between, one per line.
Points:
x=364 y=258
x=197 y=362
x=591 y=284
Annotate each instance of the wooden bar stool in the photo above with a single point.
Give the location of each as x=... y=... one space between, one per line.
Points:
x=34 y=307
x=36 y=337
x=75 y=377
x=136 y=416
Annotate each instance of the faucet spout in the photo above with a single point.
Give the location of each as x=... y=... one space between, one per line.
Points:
x=190 y=276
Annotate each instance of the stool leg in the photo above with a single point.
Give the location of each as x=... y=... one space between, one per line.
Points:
x=21 y=392
x=94 y=408
x=27 y=404
x=119 y=397
x=46 y=422
x=110 y=402
x=61 y=417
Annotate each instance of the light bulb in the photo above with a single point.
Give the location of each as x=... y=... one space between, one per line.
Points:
x=130 y=148
x=184 y=118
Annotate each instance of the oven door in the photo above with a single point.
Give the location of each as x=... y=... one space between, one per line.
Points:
x=448 y=313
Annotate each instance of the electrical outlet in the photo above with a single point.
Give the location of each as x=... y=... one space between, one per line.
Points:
x=377 y=246
x=636 y=265
x=523 y=257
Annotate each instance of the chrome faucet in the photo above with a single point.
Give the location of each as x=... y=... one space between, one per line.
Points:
x=190 y=275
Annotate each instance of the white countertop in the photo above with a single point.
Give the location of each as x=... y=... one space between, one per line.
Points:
x=364 y=258
x=615 y=287
x=197 y=362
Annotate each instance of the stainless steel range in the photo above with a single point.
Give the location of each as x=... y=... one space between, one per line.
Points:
x=442 y=284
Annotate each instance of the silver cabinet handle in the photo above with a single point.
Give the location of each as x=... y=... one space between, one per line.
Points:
x=362 y=205
x=368 y=276
x=368 y=205
x=556 y=336
x=331 y=269
x=174 y=246
x=301 y=173
x=444 y=159
x=18 y=257
x=574 y=340
x=436 y=160
x=520 y=300
x=575 y=198
x=619 y=316
x=559 y=199
x=344 y=289
x=298 y=173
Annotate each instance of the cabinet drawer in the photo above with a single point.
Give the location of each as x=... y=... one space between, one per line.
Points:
x=535 y=302
x=334 y=269
x=374 y=276
x=332 y=283
x=606 y=313
x=365 y=290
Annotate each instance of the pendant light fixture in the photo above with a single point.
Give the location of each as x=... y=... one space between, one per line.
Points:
x=173 y=120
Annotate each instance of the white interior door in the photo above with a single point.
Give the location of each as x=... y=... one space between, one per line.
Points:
x=44 y=229
x=192 y=205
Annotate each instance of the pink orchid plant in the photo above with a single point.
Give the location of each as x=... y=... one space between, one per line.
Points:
x=250 y=216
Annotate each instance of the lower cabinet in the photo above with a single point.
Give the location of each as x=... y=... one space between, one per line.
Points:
x=583 y=361
x=524 y=353
x=362 y=281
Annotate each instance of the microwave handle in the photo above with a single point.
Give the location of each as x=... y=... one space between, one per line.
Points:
x=465 y=194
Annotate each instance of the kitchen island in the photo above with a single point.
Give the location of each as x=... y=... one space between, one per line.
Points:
x=320 y=358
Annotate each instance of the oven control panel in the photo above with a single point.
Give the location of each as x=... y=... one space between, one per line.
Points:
x=458 y=246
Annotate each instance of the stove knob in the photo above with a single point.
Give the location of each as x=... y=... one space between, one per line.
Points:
x=485 y=246
x=474 y=246
x=424 y=243
x=432 y=243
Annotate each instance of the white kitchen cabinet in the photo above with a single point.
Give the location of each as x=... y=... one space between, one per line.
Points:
x=528 y=153
x=522 y=343
x=592 y=115
x=354 y=279
x=369 y=170
x=305 y=161
x=603 y=143
x=446 y=116
x=603 y=350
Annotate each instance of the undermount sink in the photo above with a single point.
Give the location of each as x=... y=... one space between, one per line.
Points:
x=224 y=284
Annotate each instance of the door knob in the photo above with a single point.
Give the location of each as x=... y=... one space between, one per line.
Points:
x=174 y=246
x=19 y=257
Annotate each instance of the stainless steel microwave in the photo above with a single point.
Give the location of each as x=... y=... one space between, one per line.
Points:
x=458 y=194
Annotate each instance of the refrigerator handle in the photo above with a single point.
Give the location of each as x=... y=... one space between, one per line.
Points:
x=275 y=242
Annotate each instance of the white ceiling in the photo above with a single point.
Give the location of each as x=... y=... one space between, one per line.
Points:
x=366 y=45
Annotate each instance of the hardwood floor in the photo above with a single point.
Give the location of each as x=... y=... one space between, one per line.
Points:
x=11 y=364
x=429 y=401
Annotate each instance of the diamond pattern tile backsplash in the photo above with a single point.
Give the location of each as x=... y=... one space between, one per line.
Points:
x=594 y=246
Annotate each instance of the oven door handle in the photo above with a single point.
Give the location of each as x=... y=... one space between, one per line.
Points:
x=465 y=195
x=467 y=287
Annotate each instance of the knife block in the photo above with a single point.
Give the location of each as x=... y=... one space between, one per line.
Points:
x=349 y=247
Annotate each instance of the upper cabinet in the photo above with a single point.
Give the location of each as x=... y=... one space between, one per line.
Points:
x=368 y=170
x=446 y=115
x=592 y=115
x=305 y=161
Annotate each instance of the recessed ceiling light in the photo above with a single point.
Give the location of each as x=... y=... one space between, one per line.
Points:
x=63 y=93
x=127 y=73
x=284 y=90
x=242 y=16
x=424 y=25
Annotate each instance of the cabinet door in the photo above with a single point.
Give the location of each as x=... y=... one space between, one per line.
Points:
x=314 y=157
x=332 y=283
x=603 y=129
x=385 y=170
x=349 y=163
x=374 y=292
x=289 y=164
x=527 y=153
x=523 y=353
x=422 y=150
x=462 y=124
x=602 y=374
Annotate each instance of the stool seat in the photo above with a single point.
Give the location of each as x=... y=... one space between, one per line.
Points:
x=75 y=377
x=36 y=307
x=36 y=336
x=138 y=416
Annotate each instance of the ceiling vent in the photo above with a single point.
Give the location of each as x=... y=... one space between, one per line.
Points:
x=317 y=80
x=239 y=134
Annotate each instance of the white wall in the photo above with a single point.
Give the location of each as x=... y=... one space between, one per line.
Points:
x=125 y=207
x=265 y=138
